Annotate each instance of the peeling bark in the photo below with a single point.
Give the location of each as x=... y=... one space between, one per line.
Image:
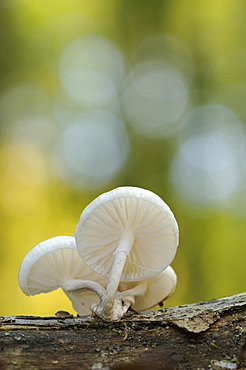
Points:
x=204 y=335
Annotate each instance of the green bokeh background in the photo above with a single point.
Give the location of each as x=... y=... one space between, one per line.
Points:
x=36 y=202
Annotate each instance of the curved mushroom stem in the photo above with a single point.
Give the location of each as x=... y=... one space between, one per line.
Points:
x=78 y=286
x=109 y=306
x=138 y=290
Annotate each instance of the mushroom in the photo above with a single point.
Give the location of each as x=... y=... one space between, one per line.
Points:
x=141 y=295
x=55 y=263
x=148 y=293
x=127 y=234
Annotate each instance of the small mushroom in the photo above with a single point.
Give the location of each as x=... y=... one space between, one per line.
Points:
x=56 y=263
x=127 y=234
x=148 y=293
x=141 y=295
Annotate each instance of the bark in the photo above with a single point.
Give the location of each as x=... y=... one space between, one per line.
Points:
x=204 y=335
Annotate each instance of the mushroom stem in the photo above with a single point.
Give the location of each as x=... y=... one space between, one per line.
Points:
x=78 y=286
x=128 y=296
x=138 y=290
x=120 y=257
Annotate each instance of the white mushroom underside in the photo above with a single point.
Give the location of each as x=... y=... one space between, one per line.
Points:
x=54 y=270
x=156 y=235
x=158 y=289
x=43 y=272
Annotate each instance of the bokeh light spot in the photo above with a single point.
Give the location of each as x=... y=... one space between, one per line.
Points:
x=90 y=88
x=93 y=148
x=166 y=49
x=207 y=167
x=91 y=69
x=155 y=98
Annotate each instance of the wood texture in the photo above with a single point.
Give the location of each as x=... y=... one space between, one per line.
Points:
x=204 y=335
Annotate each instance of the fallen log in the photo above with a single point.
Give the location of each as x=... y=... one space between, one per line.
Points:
x=204 y=335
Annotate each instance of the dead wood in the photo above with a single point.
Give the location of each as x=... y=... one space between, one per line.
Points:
x=204 y=335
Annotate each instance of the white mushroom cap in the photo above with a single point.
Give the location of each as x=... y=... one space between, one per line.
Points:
x=56 y=263
x=158 y=289
x=133 y=213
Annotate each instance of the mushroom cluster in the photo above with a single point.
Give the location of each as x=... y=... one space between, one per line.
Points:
x=120 y=256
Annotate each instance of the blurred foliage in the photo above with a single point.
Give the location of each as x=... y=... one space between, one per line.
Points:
x=150 y=65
